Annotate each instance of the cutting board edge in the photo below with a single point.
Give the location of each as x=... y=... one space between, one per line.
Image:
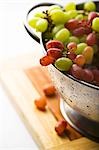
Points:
x=21 y=116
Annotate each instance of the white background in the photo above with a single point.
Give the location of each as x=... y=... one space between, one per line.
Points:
x=14 y=41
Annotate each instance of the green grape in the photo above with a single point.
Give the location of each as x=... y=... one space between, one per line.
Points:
x=72 y=13
x=88 y=53
x=40 y=14
x=90 y=6
x=41 y=25
x=83 y=39
x=74 y=39
x=53 y=7
x=70 y=6
x=33 y=22
x=57 y=28
x=67 y=17
x=63 y=64
x=62 y=35
x=80 y=48
x=80 y=60
x=57 y=16
x=79 y=17
x=95 y=24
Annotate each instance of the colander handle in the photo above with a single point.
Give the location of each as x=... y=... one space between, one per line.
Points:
x=26 y=25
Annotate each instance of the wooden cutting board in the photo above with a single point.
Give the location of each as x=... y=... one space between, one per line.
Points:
x=40 y=125
x=40 y=78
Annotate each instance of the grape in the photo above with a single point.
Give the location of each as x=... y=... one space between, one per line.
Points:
x=60 y=127
x=62 y=35
x=47 y=60
x=79 y=17
x=87 y=75
x=79 y=31
x=33 y=22
x=57 y=16
x=90 y=6
x=54 y=44
x=63 y=64
x=72 y=13
x=84 y=23
x=70 y=6
x=72 y=46
x=54 y=52
x=80 y=60
x=73 y=39
x=66 y=17
x=72 y=24
x=71 y=55
x=41 y=25
x=88 y=53
x=76 y=71
x=88 y=29
x=91 y=16
x=83 y=39
x=53 y=7
x=91 y=39
x=86 y=26
x=95 y=24
x=57 y=28
x=96 y=75
x=40 y=14
x=80 y=48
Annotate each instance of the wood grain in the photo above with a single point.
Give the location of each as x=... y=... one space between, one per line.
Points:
x=21 y=94
x=40 y=78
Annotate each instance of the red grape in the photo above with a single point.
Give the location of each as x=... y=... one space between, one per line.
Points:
x=76 y=71
x=86 y=25
x=87 y=75
x=71 y=55
x=46 y=60
x=91 y=16
x=79 y=31
x=60 y=127
x=72 y=24
x=96 y=75
x=91 y=39
x=83 y=23
x=72 y=46
x=54 y=52
x=54 y=44
x=88 y=29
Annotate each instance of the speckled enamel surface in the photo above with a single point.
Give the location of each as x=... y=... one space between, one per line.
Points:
x=80 y=97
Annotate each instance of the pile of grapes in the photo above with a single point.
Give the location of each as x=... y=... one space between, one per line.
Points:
x=71 y=39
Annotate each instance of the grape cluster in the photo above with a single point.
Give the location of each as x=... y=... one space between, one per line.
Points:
x=71 y=39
